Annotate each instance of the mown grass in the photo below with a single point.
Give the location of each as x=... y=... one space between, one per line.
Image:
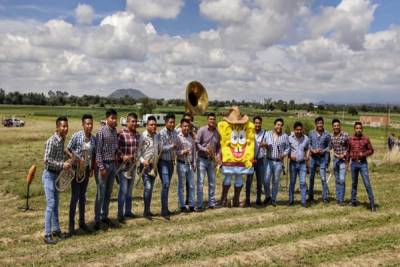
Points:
x=264 y=236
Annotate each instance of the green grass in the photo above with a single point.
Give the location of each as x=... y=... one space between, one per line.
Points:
x=281 y=236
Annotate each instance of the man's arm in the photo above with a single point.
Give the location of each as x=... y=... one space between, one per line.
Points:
x=48 y=153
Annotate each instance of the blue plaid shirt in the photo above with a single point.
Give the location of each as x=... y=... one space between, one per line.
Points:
x=278 y=147
x=322 y=141
x=167 y=140
x=76 y=143
x=106 y=145
x=54 y=153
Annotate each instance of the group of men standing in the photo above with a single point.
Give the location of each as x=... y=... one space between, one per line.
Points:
x=122 y=154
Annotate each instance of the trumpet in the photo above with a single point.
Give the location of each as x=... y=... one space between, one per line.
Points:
x=213 y=157
x=65 y=177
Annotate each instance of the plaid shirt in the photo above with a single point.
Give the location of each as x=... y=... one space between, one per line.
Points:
x=340 y=143
x=299 y=147
x=128 y=143
x=277 y=147
x=106 y=145
x=77 y=142
x=322 y=141
x=206 y=137
x=360 y=145
x=186 y=142
x=54 y=153
x=259 y=152
x=167 y=140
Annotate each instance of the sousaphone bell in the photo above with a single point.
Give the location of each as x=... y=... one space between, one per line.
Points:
x=196 y=98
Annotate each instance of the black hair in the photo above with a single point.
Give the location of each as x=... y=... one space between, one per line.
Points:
x=151 y=118
x=169 y=116
x=211 y=114
x=335 y=121
x=279 y=120
x=297 y=124
x=60 y=119
x=318 y=119
x=257 y=118
x=111 y=112
x=358 y=123
x=132 y=115
x=188 y=114
x=86 y=116
x=185 y=120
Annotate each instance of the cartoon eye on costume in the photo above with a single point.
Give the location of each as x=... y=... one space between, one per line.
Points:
x=242 y=137
x=234 y=137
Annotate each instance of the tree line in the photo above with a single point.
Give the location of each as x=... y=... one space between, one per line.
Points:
x=60 y=98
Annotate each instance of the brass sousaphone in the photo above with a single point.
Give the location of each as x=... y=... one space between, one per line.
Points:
x=196 y=98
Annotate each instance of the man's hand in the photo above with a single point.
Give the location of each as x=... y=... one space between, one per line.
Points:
x=293 y=158
x=185 y=152
x=126 y=158
x=103 y=173
x=263 y=145
x=67 y=165
x=146 y=163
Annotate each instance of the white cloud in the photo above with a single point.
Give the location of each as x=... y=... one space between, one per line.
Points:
x=84 y=14
x=225 y=11
x=165 y=9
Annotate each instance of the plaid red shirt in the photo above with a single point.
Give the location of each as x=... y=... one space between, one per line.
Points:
x=360 y=147
x=128 y=144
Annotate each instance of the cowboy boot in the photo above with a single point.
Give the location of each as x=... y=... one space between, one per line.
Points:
x=236 y=196
x=224 y=197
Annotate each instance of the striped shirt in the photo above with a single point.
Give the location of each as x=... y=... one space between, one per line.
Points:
x=340 y=143
x=106 y=145
x=128 y=143
x=54 y=153
x=259 y=152
x=298 y=146
x=321 y=141
x=148 y=147
x=167 y=140
x=186 y=142
x=277 y=147
x=205 y=137
x=78 y=143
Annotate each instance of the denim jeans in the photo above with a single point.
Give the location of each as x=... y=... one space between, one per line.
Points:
x=322 y=162
x=165 y=170
x=206 y=166
x=148 y=184
x=356 y=168
x=185 y=175
x=78 y=194
x=298 y=169
x=104 y=190
x=259 y=171
x=125 y=194
x=51 y=222
x=274 y=171
x=339 y=168
x=238 y=179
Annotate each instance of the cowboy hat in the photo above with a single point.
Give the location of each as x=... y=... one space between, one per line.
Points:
x=234 y=116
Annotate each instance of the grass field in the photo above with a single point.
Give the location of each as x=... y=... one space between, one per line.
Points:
x=322 y=235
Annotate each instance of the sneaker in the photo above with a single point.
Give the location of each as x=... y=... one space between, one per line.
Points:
x=184 y=210
x=97 y=226
x=191 y=209
x=121 y=219
x=353 y=204
x=48 y=239
x=130 y=215
x=108 y=222
x=58 y=234
x=373 y=208
x=200 y=209
x=85 y=228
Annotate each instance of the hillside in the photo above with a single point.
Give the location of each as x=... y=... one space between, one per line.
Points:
x=134 y=93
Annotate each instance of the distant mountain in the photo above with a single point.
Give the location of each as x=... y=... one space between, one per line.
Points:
x=134 y=93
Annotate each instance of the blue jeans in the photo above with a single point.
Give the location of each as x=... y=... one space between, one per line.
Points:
x=274 y=171
x=125 y=194
x=148 y=184
x=259 y=170
x=339 y=168
x=238 y=179
x=356 y=168
x=322 y=162
x=165 y=169
x=206 y=166
x=298 y=169
x=185 y=175
x=104 y=190
x=51 y=222
x=78 y=194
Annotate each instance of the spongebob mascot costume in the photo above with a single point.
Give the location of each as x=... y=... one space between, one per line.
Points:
x=237 y=149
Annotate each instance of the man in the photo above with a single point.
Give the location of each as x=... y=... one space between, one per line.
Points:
x=106 y=149
x=259 y=162
x=186 y=158
x=360 y=149
x=320 y=145
x=53 y=164
x=299 y=153
x=340 y=145
x=148 y=153
x=165 y=166
x=128 y=141
x=277 y=149
x=391 y=141
x=209 y=156
x=81 y=147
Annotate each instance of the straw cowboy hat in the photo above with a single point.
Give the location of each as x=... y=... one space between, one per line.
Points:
x=234 y=116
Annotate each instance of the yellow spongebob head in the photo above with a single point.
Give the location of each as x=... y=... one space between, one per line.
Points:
x=237 y=143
